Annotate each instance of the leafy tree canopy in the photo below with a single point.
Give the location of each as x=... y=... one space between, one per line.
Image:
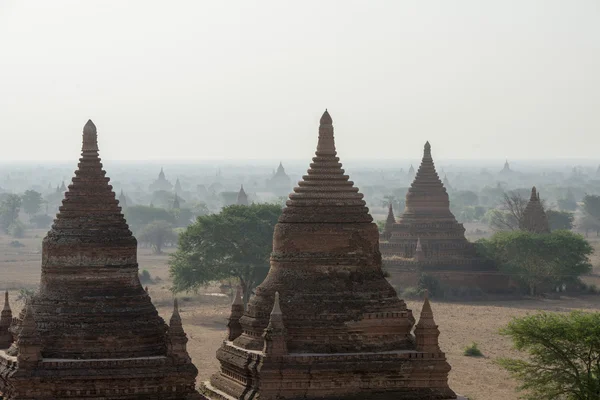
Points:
x=540 y=261
x=140 y=216
x=235 y=243
x=157 y=234
x=9 y=211
x=32 y=202
x=564 y=355
x=560 y=219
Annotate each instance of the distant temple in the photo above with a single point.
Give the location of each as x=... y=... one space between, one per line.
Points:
x=242 y=197
x=122 y=200
x=447 y=183
x=534 y=217
x=506 y=169
x=411 y=172
x=428 y=239
x=161 y=183
x=325 y=323
x=280 y=183
x=178 y=189
x=91 y=331
x=176 y=203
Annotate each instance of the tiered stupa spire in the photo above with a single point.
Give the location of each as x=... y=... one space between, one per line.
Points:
x=427 y=221
x=234 y=328
x=346 y=332
x=6 y=337
x=389 y=222
x=534 y=217
x=426 y=330
x=242 y=197
x=91 y=309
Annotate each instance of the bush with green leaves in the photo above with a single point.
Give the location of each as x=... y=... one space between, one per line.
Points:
x=562 y=355
x=431 y=284
x=472 y=350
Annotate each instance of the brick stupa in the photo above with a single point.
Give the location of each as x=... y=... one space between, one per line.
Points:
x=534 y=217
x=92 y=332
x=444 y=250
x=325 y=323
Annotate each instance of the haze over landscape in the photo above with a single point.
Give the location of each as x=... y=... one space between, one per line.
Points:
x=178 y=220
x=171 y=80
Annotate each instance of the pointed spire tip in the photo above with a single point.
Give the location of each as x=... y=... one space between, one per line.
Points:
x=326 y=118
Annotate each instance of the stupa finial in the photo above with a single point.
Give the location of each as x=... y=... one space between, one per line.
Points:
x=234 y=328
x=90 y=137
x=326 y=143
x=533 y=194
x=6 y=302
x=427 y=150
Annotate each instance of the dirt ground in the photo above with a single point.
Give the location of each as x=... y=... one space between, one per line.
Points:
x=204 y=316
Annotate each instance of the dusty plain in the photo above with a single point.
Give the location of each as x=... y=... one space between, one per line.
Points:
x=204 y=315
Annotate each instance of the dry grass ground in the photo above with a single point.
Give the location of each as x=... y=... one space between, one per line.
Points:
x=205 y=313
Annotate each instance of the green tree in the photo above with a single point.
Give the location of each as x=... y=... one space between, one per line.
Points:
x=140 y=216
x=568 y=203
x=540 y=261
x=32 y=202
x=465 y=198
x=157 y=234
x=560 y=219
x=9 y=211
x=235 y=243
x=591 y=213
x=563 y=351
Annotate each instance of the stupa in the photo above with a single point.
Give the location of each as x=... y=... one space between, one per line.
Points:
x=534 y=217
x=325 y=323
x=161 y=183
x=242 y=197
x=122 y=200
x=389 y=222
x=506 y=169
x=280 y=183
x=178 y=189
x=91 y=331
x=444 y=252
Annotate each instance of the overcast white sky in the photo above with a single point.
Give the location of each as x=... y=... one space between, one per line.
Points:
x=197 y=80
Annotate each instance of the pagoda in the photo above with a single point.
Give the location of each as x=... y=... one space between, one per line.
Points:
x=506 y=170
x=122 y=200
x=534 y=217
x=91 y=331
x=325 y=323
x=242 y=197
x=444 y=251
x=280 y=183
x=161 y=183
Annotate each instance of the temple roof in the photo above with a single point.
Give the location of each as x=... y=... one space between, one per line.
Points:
x=534 y=217
x=325 y=193
x=90 y=211
x=242 y=197
x=427 y=194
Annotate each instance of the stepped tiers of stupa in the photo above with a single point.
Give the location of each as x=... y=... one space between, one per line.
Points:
x=325 y=323
x=444 y=252
x=91 y=331
x=534 y=217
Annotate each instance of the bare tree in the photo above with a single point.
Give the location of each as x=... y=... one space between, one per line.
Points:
x=508 y=216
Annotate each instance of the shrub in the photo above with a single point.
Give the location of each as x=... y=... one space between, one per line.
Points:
x=145 y=277
x=17 y=229
x=472 y=351
x=16 y=243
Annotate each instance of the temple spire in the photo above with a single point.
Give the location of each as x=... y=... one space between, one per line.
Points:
x=427 y=150
x=177 y=345
x=90 y=137
x=389 y=222
x=426 y=331
x=326 y=144
x=234 y=328
x=6 y=338
x=534 y=217
x=275 y=333
x=29 y=342
x=242 y=197
x=533 y=196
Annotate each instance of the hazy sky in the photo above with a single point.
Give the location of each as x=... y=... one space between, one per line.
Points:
x=197 y=80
